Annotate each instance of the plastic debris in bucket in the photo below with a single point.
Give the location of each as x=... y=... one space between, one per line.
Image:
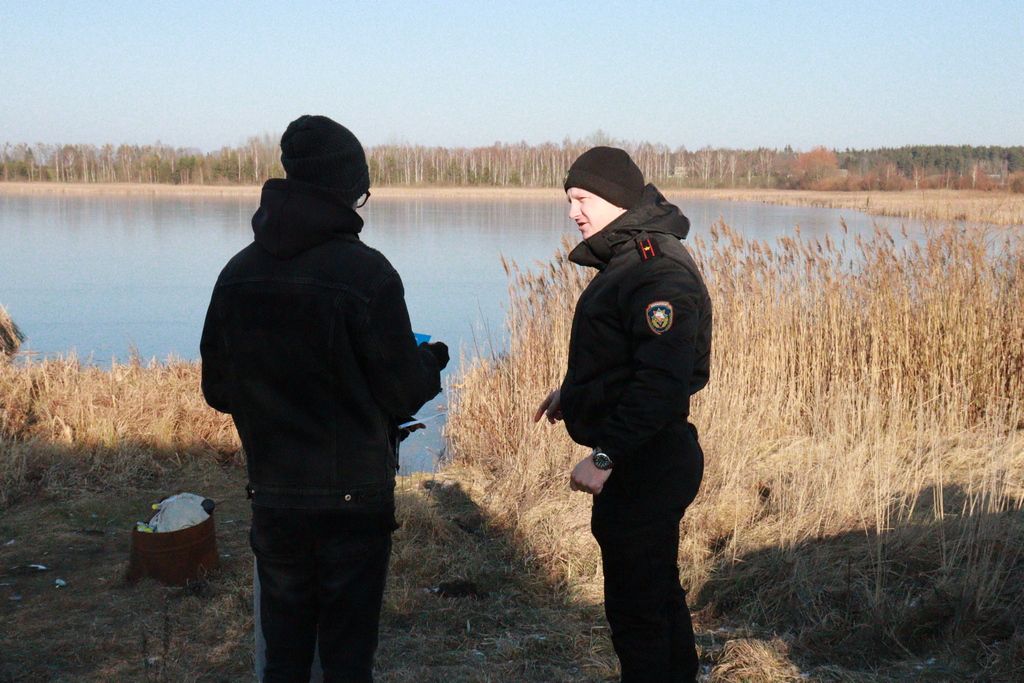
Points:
x=178 y=545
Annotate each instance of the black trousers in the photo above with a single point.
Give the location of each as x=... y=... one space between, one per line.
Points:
x=636 y=523
x=321 y=576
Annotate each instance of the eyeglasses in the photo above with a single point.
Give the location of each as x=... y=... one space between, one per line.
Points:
x=362 y=200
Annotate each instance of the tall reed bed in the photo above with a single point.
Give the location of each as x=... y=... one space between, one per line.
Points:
x=65 y=425
x=863 y=432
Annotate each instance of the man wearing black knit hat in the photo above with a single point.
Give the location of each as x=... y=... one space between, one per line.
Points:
x=307 y=344
x=640 y=347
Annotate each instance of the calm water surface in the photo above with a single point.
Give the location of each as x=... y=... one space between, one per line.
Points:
x=103 y=275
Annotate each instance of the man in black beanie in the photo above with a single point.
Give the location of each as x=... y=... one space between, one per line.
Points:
x=307 y=344
x=640 y=347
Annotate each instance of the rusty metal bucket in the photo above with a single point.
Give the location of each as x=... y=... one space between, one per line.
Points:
x=175 y=557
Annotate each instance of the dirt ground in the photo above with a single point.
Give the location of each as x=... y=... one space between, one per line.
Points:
x=512 y=627
x=507 y=622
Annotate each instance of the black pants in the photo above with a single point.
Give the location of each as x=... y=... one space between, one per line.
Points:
x=320 y=576
x=636 y=523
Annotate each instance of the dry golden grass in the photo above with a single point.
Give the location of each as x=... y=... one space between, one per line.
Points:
x=65 y=426
x=755 y=661
x=10 y=335
x=864 y=441
x=998 y=208
x=83 y=451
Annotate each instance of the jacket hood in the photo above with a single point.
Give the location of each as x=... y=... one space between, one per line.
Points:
x=295 y=216
x=653 y=214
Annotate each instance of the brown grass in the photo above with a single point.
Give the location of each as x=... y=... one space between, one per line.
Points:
x=67 y=427
x=864 y=440
x=83 y=451
x=98 y=629
x=997 y=208
x=755 y=661
x=10 y=336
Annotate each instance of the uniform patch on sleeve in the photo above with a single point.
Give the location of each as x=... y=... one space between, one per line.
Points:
x=659 y=316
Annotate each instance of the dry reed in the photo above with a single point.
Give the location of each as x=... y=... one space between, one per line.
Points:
x=10 y=336
x=749 y=660
x=68 y=426
x=864 y=441
x=972 y=206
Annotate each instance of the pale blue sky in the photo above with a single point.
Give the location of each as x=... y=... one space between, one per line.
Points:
x=738 y=74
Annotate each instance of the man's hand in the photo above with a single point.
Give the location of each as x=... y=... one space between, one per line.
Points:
x=440 y=351
x=404 y=432
x=587 y=478
x=550 y=407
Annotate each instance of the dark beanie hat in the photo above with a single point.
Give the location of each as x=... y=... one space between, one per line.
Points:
x=320 y=151
x=609 y=173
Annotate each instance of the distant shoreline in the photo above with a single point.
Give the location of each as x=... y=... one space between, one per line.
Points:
x=164 y=190
x=1000 y=208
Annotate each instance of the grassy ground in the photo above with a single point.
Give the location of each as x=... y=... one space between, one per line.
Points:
x=82 y=454
x=521 y=625
x=84 y=451
x=97 y=628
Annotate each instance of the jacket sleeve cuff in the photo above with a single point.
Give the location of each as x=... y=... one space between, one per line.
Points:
x=616 y=454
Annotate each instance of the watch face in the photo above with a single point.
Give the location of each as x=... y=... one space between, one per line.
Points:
x=602 y=461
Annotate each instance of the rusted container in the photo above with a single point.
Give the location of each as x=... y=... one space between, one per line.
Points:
x=175 y=557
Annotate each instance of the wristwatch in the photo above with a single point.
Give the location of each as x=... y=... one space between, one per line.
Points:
x=601 y=460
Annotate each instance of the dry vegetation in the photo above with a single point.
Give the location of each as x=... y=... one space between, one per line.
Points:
x=98 y=629
x=83 y=451
x=861 y=512
x=66 y=427
x=997 y=208
x=10 y=335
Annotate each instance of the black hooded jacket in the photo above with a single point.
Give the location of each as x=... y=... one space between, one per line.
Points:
x=308 y=345
x=641 y=332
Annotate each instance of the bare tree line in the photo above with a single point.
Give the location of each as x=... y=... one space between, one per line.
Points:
x=251 y=163
x=524 y=165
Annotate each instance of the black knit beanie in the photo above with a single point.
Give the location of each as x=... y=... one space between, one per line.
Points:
x=320 y=151
x=609 y=173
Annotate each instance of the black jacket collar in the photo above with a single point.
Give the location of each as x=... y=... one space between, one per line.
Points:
x=296 y=216
x=654 y=214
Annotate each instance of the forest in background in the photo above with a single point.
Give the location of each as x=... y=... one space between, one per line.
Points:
x=961 y=167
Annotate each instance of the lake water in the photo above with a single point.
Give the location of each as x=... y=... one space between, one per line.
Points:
x=101 y=275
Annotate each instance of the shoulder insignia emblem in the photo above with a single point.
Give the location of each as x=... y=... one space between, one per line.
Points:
x=659 y=316
x=646 y=248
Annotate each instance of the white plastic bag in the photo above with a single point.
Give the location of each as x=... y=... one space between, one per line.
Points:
x=180 y=512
